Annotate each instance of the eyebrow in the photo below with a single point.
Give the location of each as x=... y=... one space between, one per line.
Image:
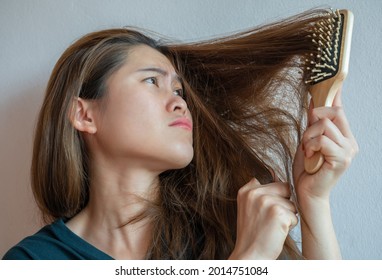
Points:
x=161 y=72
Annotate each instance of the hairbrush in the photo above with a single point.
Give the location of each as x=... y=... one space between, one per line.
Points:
x=329 y=66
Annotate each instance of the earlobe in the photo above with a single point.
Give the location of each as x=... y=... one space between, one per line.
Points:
x=82 y=115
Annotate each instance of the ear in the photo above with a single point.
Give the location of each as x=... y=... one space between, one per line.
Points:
x=82 y=115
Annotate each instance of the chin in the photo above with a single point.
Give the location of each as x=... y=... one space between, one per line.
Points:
x=175 y=165
x=183 y=162
x=182 y=159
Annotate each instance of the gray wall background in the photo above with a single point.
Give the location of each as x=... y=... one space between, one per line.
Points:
x=33 y=34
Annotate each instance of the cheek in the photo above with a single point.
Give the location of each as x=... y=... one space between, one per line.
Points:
x=131 y=107
x=132 y=119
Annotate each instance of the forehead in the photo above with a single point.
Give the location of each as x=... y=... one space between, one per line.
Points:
x=143 y=56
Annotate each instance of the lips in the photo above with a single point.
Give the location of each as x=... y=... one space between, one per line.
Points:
x=182 y=123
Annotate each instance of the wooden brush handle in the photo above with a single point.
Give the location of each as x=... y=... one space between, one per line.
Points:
x=314 y=163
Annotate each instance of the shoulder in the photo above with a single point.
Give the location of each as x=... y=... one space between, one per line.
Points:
x=17 y=253
x=44 y=244
x=54 y=242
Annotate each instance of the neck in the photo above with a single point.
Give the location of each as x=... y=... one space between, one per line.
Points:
x=116 y=197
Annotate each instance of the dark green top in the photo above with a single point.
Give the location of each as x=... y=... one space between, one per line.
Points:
x=55 y=242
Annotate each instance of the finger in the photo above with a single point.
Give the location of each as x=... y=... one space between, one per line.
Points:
x=289 y=219
x=337 y=102
x=285 y=203
x=293 y=221
x=324 y=127
x=270 y=200
x=337 y=116
x=277 y=188
x=325 y=145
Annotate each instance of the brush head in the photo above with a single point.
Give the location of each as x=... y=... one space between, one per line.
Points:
x=329 y=36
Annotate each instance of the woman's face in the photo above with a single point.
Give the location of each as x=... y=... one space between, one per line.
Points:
x=145 y=122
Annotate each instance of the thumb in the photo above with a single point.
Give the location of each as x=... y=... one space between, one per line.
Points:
x=311 y=117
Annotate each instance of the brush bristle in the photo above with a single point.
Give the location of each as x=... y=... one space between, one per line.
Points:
x=326 y=38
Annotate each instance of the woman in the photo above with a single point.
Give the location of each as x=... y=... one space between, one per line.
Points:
x=152 y=151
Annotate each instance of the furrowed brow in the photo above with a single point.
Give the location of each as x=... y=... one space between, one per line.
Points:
x=162 y=72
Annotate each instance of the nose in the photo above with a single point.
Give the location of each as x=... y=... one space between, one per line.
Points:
x=177 y=104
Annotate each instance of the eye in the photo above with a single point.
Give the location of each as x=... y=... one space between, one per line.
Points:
x=151 y=80
x=179 y=92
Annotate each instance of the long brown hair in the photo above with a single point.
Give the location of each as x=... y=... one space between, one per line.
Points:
x=248 y=99
x=59 y=169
